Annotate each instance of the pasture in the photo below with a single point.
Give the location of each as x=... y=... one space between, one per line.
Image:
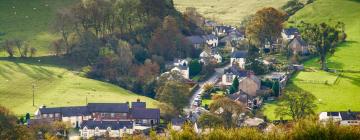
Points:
x=227 y=11
x=30 y=21
x=345 y=93
x=54 y=86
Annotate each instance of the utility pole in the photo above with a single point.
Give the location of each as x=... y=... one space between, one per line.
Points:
x=33 y=91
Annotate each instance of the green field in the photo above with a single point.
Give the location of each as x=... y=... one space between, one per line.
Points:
x=30 y=21
x=345 y=93
x=227 y=11
x=54 y=86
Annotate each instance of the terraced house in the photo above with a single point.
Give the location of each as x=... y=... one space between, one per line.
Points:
x=95 y=119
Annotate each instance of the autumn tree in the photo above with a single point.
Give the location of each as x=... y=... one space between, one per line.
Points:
x=324 y=37
x=265 y=26
x=296 y=104
x=85 y=48
x=167 y=41
x=9 y=129
x=174 y=93
x=209 y=120
x=227 y=109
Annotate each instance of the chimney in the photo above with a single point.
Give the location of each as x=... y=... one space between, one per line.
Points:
x=138 y=100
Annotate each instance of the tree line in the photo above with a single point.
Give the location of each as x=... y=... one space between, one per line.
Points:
x=124 y=42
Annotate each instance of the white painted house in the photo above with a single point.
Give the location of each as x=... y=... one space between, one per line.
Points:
x=111 y=128
x=346 y=118
x=182 y=66
x=238 y=58
x=289 y=33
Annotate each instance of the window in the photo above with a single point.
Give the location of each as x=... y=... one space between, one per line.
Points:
x=97 y=132
x=112 y=115
x=51 y=115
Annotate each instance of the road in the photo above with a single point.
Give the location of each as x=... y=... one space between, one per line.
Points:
x=218 y=73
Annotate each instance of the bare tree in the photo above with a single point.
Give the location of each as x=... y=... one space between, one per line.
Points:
x=9 y=47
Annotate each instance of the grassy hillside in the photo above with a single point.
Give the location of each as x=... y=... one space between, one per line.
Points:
x=54 y=86
x=29 y=20
x=345 y=93
x=227 y=11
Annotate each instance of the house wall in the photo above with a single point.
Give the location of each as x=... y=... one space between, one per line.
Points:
x=147 y=122
x=73 y=120
x=286 y=37
x=239 y=61
x=88 y=133
x=53 y=116
x=297 y=48
x=249 y=86
x=110 y=116
x=350 y=122
x=227 y=79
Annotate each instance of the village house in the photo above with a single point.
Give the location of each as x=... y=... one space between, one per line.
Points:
x=182 y=66
x=345 y=118
x=250 y=102
x=211 y=40
x=222 y=30
x=210 y=55
x=205 y=40
x=112 y=114
x=230 y=74
x=250 y=84
x=298 y=46
x=196 y=41
x=289 y=33
x=111 y=128
x=238 y=58
x=281 y=77
x=233 y=36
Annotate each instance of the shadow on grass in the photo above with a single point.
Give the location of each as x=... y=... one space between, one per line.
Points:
x=35 y=66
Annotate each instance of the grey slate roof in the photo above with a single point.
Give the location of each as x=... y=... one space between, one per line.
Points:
x=66 y=111
x=239 y=54
x=114 y=125
x=236 y=71
x=74 y=111
x=108 y=107
x=209 y=37
x=195 y=39
x=291 y=31
x=50 y=110
x=350 y=115
x=140 y=113
x=138 y=105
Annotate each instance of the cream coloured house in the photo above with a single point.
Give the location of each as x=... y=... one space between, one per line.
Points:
x=250 y=85
x=238 y=58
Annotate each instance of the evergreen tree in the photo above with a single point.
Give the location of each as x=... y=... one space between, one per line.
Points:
x=276 y=88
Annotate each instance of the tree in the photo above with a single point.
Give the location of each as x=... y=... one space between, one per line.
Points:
x=324 y=37
x=297 y=104
x=235 y=83
x=209 y=120
x=9 y=130
x=9 y=48
x=195 y=67
x=276 y=88
x=33 y=51
x=174 y=93
x=85 y=48
x=58 y=46
x=168 y=111
x=227 y=109
x=253 y=63
x=168 y=42
x=265 y=26
x=292 y=6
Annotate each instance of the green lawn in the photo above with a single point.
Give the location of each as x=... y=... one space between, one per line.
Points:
x=54 y=86
x=30 y=20
x=345 y=93
x=227 y=11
